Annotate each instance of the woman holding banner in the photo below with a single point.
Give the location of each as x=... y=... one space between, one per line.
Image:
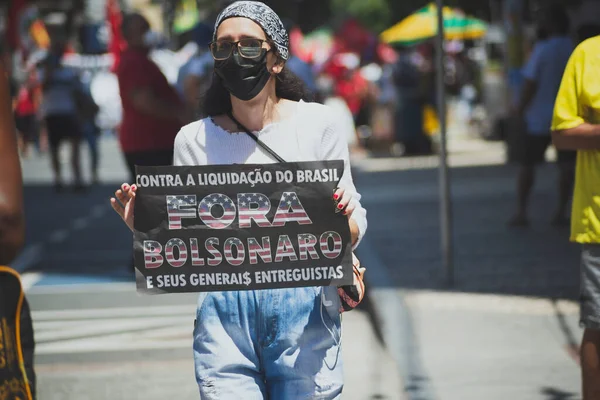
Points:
x=276 y=343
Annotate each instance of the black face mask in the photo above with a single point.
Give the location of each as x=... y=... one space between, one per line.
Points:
x=242 y=77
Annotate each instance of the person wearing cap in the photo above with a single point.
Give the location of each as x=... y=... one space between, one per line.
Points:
x=275 y=343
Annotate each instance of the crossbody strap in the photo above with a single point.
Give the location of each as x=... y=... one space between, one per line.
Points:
x=256 y=139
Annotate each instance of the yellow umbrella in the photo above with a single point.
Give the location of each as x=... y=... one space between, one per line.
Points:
x=422 y=25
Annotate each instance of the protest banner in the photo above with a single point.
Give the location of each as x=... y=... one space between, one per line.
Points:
x=240 y=227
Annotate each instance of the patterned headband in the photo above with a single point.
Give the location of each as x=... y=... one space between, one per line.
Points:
x=264 y=16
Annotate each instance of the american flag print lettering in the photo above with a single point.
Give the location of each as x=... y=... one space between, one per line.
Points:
x=253 y=206
x=213 y=251
x=290 y=209
x=205 y=211
x=228 y=250
x=152 y=254
x=180 y=206
x=337 y=244
x=197 y=261
x=306 y=246
x=255 y=250
x=285 y=249
x=170 y=252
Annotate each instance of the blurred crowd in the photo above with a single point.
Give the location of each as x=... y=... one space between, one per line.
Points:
x=526 y=127
x=384 y=94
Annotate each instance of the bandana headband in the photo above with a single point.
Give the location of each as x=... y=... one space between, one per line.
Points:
x=264 y=16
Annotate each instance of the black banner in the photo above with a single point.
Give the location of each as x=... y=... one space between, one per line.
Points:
x=240 y=227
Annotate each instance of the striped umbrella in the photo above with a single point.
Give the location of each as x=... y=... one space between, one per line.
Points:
x=422 y=25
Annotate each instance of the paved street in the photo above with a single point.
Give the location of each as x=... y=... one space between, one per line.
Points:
x=508 y=328
x=97 y=339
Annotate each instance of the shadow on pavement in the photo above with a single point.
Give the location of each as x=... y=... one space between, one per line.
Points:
x=570 y=337
x=367 y=306
x=557 y=394
x=489 y=257
x=75 y=234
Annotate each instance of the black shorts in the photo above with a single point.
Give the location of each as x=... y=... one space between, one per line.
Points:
x=566 y=156
x=61 y=127
x=28 y=127
x=533 y=151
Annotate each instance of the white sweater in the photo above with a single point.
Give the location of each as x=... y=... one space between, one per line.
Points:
x=311 y=134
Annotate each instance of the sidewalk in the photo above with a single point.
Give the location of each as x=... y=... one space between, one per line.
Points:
x=508 y=328
x=370 y=372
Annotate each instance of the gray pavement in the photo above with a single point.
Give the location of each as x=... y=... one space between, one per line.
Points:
x=109 y=343
x=508 y=328
x=97 y=339
x=489 y=257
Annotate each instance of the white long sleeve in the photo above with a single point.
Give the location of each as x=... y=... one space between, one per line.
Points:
x=312 y=134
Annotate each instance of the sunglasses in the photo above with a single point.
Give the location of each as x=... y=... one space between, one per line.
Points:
x=248 y=48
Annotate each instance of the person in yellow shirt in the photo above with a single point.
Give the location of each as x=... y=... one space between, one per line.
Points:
x=576 y=126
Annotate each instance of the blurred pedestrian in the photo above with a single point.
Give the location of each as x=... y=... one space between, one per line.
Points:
x=12 y=238
x=26 y=119
x=304 y=71
x=61 y=99
x=468 y=84
x=268 y=343
x=414 y=77
x=152 y=110
x=350 y=85
x=543 y=73
x=298 y=66
x=339 y=108
x=194 y=78
x=576 y=126
x=91 y=132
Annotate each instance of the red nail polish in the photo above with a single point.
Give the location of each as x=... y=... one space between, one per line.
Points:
x=340 y=206
x=335 y=196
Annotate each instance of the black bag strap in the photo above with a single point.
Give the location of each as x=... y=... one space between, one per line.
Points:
x=256 y=139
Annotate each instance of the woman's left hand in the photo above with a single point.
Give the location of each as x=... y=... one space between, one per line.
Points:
x=342 y=202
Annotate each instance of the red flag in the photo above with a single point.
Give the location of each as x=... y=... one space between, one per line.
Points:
x=114 y=19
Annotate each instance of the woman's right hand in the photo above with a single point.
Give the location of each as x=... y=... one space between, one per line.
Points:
x=124 y=202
